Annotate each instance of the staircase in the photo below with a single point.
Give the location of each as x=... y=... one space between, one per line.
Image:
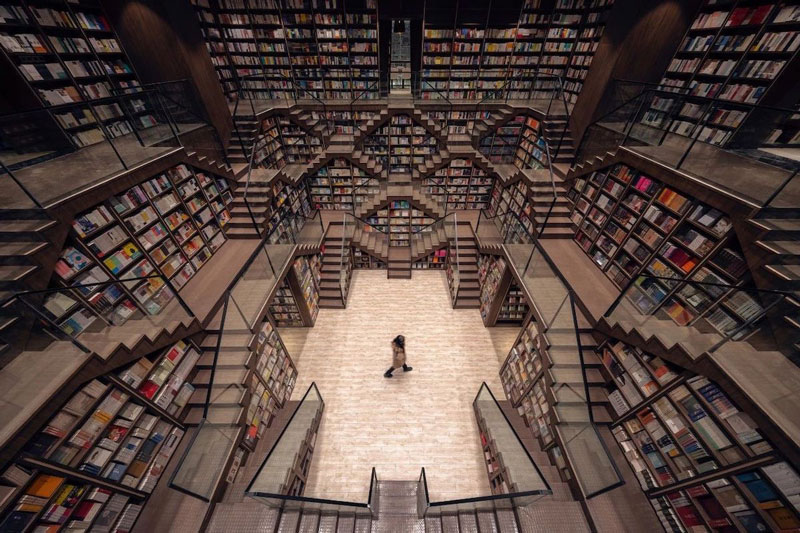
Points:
x=373 y=202
x=425 y=121
x=245 y=130
x=309 y=121
x=371 y=241
x=483 y=126
x=558 y=224
x=557 y=134
x=466 y=255
x=432 y=164
x=369 y=127
x=426 y=242
x=335 y=258
x=426 y=203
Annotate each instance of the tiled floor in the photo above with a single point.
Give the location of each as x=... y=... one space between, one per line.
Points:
x=398 y=425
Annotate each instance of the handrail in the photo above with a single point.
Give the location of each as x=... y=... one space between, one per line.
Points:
x=354 y=100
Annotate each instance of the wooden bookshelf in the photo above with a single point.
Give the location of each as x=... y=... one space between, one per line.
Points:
x=168 y=225
x=675 y=427
x=513 y=207
x=435 y=260
x=97 y=460
x=501 y=300
x=629 y=223
x=733 y=52
x=284 y=308
x=73 y=62
x=364 y=260
x=400 y=145
x=337 y=184
x=520 y=141
x=288 y=205
x=461 y=184
x=327 y=49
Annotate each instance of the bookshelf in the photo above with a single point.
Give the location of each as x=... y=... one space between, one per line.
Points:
x=170 y=225
x=307 y=272
x=515 y=307
x=399 y=219
x=519 y=142
x=289 y=207
x=500 y=480
x=513 y=207
x=400 y=145
x=436 y=259
x=629 y=223
x=269 y=147
x=274 y=378
x=674 y=426
x=335 y=185
x=73 y=62
x=362 y=259
x=501 y=300
x=283 y=307
x=286 y=48
x=733 y=53
x=461 y=184
x=95 y=462
x=298 y=145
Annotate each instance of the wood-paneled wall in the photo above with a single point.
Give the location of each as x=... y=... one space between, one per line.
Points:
x=164 y=42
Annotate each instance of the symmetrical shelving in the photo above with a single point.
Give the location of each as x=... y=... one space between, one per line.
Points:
x=169 y=225
x=629 y=223
x=733 y=52
x=72 y=60
x=460 y=185
x=280 y=49
x=338 y=184
x=400 y=145
x=674 y=427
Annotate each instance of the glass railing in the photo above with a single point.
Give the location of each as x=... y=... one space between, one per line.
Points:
x=584 y=449
x=740 y=148
x=345 y=260
x=523 y=483
x=53 y=153
x=453 y=260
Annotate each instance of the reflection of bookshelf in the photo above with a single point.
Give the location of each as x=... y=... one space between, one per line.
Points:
x=169 y=225
x=461 y=184
x=68 y=53
x=400 y=145
x=674 y=427
x=629 y=223
x=94 y=464
x=732 y=52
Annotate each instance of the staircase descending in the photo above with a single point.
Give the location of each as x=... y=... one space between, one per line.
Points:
x=245 y=130
x=335 y=254
x=558 y=136
x=309 y=121
x=466 y=256
x=371 y=241
x=373 y=202
x=243 y=222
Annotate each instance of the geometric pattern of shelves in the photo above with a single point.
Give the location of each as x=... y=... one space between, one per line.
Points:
x=733 y=52
x=513 y=208
x=70 y=57
x=630 y=223
x=673 y=427
x=334 y=185
x=399 y=219
x=96 y=461
x=169 y=225
x=461 y=184
x=519 y=142
x=329 y=49
x=400 y=144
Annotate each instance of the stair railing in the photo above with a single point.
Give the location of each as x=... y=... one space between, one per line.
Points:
x=363 y=94
x=499 y=93
x=647 y=297
x=324 y=118
x=420 y=88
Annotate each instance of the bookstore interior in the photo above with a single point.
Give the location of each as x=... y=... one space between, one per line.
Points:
x=561 y=224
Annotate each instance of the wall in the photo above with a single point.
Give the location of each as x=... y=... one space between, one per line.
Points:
x=640 y=39
x=164 y=42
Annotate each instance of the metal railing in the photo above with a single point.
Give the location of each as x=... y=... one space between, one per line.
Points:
x=108 y=135
x=704 y=137
x=527 y=484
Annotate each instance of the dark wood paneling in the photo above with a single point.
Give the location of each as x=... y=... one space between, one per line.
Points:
x=164 y=42
x=640 y=38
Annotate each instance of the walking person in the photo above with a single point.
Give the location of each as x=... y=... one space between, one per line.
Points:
x=398 y=356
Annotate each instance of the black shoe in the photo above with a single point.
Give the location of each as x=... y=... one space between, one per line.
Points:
x=407 y=368
x=387 y=374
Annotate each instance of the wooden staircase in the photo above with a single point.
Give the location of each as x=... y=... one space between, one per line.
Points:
x=466 y=254
x=372 y=242
x=335 y=258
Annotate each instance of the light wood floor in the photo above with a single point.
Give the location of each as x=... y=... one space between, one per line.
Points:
x=416 y=419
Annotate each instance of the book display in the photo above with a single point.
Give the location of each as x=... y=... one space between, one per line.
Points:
x=629 y=223
x=519 y=141
x=501 y=300
x=283 y=307
x=362 y=259
x=289 y=208
x=460 y=185
x=70 y=57
x=732 y=53
x=515 y=306
x=437 y=259
x=307 y=271
x=673 y=426
x=400 y=145
x=339 y=183
x=95 y=462
x=281 y=49
x=169 y=225
x=513 y=208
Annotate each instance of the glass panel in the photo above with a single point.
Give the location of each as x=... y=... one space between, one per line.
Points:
x=205 y=459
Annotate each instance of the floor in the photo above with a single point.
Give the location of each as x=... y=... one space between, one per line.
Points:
x=416 y=419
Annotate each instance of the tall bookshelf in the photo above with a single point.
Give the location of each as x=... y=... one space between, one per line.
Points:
x=169 y=225
x=328 y=49
x=94 y=464
x=519 y=141
x=269 y=147
x=629 y=223
x=289 y=207
x=733 y=53
x=674 y=427
x=400 y=145
x=513 y=207
x=337 y=184
x=461 y=184
x=73 y=62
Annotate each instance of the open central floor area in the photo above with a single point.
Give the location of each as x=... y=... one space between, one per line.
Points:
x=422 y=418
